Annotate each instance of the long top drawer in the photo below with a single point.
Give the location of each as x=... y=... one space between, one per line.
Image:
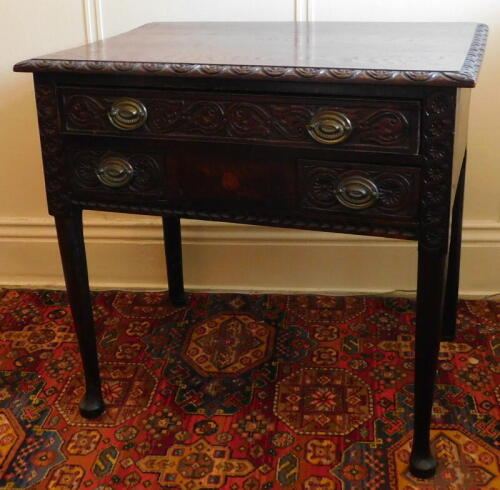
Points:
x=382 y=126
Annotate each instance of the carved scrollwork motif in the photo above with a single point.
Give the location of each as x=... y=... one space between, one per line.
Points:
x=206 y=117
x=384 y=128
x=437 y=148
x=85 y=111
x=289 y=121
x=165 y=117
x=255 y=119
x=248 y=120
x=395 y=195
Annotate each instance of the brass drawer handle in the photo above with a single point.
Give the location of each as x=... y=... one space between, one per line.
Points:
x=357 y=192
x=114 y=172
x=127 y=114
x=330 y=127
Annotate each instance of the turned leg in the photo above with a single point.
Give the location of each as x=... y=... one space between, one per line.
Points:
x=451 y=297
x=173 y=255
x=70 y=235
x=430 y=293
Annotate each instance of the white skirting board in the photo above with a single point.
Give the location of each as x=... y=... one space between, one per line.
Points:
x=128 y=254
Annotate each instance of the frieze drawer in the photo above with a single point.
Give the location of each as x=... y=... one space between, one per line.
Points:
x=382 y=126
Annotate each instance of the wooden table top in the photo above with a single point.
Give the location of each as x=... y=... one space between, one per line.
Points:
x=350 y=52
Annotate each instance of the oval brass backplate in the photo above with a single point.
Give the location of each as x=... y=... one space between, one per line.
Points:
x=330 y=127
x=114 y=172
x=356 y=192
x=127 y=114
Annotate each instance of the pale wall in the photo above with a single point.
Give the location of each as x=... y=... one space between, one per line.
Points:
x=125 y=251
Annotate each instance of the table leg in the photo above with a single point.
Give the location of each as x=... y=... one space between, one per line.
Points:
x=451 y=298
x=72 y=247
x=173 y=256
x=430 y=294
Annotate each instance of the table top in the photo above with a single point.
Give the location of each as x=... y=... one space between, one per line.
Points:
x=448 y=54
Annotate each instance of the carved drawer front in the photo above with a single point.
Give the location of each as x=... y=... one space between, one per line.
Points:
x=115 y=175
x=383 y=126
x=375 y=191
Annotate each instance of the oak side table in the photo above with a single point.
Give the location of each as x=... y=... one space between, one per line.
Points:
x=341 y=127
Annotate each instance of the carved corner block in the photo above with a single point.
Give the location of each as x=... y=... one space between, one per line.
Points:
x=51 y=144
x=437 y=149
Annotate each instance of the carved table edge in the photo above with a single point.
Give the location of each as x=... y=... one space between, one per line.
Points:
x=465 y=77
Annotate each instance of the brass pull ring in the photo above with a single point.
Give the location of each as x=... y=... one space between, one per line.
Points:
x=357 y=192
x=127 y=114
x=114 y=172
x=330 y=127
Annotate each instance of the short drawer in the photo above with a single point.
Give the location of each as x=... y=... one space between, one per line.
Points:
x=354 y=124
x=271 y=181
x=371 y=191
x=115 y=175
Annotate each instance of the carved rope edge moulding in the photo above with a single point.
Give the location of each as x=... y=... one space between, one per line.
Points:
x=466 y=77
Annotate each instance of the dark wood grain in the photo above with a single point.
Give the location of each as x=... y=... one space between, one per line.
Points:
x=446 y=54
x=72 y=248
x=430 y=294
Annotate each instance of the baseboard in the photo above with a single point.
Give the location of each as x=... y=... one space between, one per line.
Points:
x=128 y=254
x=148 y=229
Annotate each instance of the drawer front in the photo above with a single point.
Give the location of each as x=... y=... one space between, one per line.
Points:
x=116 y=176
x=279 y=183
x=382 y=126
x=248 y=184
x=377 y=191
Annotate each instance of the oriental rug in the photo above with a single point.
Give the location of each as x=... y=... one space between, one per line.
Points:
x=243 y=392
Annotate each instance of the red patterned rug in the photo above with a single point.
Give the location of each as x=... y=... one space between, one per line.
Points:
x=241 y=392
